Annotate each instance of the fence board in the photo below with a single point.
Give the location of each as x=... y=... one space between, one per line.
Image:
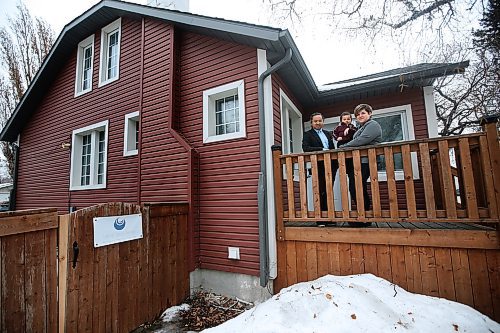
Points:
x=444 y=270
x=323 y=260
x=345 y=259
x=357 y=259
x=480 y=282
x=312 y=261
x=384 y=261
x=428 y=271
x=461 y=275
x=333 y=254
x=398 y=266
x=291 y=264
x=493 y=261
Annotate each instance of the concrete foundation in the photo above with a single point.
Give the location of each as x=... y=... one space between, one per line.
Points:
x=244 y=287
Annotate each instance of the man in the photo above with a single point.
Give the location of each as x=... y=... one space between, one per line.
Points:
x=318 y=139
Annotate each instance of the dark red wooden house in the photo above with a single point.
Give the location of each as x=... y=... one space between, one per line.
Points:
x=140 y=104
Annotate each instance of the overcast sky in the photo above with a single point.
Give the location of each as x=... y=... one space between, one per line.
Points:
x=329 y=57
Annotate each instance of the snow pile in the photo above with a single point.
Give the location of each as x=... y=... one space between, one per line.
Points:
x=356 y=303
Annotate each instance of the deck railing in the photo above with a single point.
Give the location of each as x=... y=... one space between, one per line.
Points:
x=448 y=179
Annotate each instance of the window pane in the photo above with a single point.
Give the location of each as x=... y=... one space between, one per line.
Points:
x=100 y=158
x=87 y=63
x=136 y=134
x=392 y=130
x=112 y=62
x=227 y=115
x=85 y=164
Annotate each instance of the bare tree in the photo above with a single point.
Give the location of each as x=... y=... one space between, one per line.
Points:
x=24 y=45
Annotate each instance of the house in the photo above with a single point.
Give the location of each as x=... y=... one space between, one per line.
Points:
x=141 y=104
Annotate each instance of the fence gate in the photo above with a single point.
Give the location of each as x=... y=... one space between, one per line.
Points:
x=116 y=288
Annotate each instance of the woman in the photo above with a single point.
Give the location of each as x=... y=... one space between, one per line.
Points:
x=368 y=133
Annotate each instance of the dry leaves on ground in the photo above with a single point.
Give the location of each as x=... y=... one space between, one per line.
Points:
x=208 y=310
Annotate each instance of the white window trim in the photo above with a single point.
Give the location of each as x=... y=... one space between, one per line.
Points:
x=74 y=164
x=285 y=129
x=79 y=65
x=430 y=111
x=127 y=134
x=103 y=68
x=209 y=98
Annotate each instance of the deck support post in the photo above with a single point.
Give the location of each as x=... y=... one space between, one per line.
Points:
x=489 y=125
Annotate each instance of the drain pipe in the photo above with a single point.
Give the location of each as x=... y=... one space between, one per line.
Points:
x=13 y=191
x=261 y=190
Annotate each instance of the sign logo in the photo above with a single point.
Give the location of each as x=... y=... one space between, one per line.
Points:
x=119 y=224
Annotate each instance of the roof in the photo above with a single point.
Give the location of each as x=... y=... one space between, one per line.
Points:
x=274 y=40
x=420 y=75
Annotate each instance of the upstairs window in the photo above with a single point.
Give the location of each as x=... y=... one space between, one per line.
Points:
x=84 y=66
x=110 y=53
x=89 y=156
x=224 y=112
x=131 y=134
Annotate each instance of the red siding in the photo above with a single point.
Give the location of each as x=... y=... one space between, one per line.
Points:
x=163 y=160
x=44 y=166
x=228 y=169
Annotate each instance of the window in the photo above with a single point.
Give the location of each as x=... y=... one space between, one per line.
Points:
x=84 y=66
x=88 y=157
x=397 y=125
x=110 y=53
x=291 y=126
x=131 y=134
x=224 y=112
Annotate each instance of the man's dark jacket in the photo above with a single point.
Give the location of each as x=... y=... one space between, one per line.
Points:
x=312 y=142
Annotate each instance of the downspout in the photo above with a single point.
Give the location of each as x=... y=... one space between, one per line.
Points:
x=261 y=190
x=12 y=197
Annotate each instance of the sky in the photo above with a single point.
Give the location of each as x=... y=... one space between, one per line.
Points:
x=354 y=303
x=328 y=57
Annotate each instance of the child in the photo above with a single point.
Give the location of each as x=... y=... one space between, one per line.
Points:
x=345 y=130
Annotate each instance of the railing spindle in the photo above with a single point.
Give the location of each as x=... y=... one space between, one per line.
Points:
x=409 y=186
x=303 y=186
x=425 y=160
x=289 y=187
x=449 y=196
x=315 y=187
x=360 y=201
x=343 y=185
x=329 y=185
x=391 y=182
x=468 y=179
x=372 y=159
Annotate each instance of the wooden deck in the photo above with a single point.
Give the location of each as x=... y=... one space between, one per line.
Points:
x=436 y=234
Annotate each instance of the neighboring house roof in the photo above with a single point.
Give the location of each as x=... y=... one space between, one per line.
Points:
x=5 y=186
x=420 y=75
x=274 y=40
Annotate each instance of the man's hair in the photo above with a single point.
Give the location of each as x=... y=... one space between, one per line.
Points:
x=345 y=113
x=316 y=114
x=362 y=107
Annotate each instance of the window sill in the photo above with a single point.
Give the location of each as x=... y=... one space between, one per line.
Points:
x=130 y=153
x=224 y=137
x=89 y=187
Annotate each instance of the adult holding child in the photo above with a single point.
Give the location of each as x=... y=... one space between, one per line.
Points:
x=369 y=133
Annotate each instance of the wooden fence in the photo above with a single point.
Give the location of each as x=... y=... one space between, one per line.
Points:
x=28 y=271
x=113 y=288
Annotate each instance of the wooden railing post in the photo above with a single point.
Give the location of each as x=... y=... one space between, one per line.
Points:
x=489 y=125
x=278 y=192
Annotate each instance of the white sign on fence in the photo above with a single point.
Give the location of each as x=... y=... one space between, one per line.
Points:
x=116 y=229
